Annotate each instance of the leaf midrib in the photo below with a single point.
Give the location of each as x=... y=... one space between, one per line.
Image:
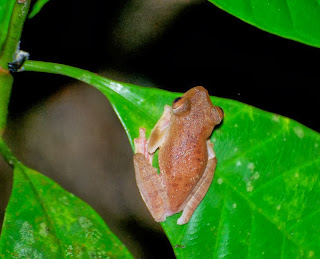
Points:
x=44 y=208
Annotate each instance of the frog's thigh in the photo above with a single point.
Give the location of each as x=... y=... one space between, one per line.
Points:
x=150 y=186
x=198 y=192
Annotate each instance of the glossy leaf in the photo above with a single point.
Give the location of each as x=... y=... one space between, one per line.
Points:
x=296 y=20
x=265 y=196
x=37 y=7
x=43 y=220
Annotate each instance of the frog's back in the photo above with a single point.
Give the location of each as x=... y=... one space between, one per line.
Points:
x=182 y=161
x=183 y=156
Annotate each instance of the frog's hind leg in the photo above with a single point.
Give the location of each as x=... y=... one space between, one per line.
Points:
x=148 y=180
x=200 y=190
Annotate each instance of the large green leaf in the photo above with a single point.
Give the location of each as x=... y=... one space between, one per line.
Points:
x=297 y=20
x=265 y=196
x=43 y=220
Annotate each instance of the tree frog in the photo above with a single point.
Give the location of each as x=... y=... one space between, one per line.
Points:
x=186 y=158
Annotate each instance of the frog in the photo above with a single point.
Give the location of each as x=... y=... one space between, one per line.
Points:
x=186 y=157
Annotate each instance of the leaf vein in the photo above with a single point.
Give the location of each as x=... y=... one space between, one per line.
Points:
x=45 y=211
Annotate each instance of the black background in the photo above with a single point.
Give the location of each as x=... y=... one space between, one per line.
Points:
x=202 y=46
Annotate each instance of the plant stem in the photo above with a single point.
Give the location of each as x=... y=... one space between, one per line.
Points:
x=7 y=154
x=6 y=81
x=11 y=43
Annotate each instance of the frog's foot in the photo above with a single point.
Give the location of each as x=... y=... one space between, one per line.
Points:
x=140 y=145
x=150 y=187
x=149 y=182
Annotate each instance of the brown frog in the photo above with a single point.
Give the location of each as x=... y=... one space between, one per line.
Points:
x=186 y=158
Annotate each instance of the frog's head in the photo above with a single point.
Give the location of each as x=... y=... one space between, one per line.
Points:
x=196 y=104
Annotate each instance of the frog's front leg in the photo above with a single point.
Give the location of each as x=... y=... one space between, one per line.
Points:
x=149 y=182
x=160 y=130
x=201 y=188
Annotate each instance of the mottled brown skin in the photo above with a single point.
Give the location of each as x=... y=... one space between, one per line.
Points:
x=186 y=170
x=183 y=156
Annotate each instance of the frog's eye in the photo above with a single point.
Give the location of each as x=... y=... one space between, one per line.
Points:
x=180 y=105
x=177 y=99
x=178 y=102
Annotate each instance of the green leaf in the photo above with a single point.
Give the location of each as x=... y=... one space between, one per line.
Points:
x=297 y=20
x=264 y=200
x=37 y=8
x=43 y=220
x=265 y=197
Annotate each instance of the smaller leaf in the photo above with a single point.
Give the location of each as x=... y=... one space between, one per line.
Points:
x=37 y=8
x=44 y=221
x=296 y=20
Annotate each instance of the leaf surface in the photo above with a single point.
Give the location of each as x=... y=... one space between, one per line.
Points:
x=265 y=196
x=296 y=20
x=43 y=220
x=38 y=5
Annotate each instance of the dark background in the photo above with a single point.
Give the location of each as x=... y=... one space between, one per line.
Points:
x=173 y=45
x=200 y=45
